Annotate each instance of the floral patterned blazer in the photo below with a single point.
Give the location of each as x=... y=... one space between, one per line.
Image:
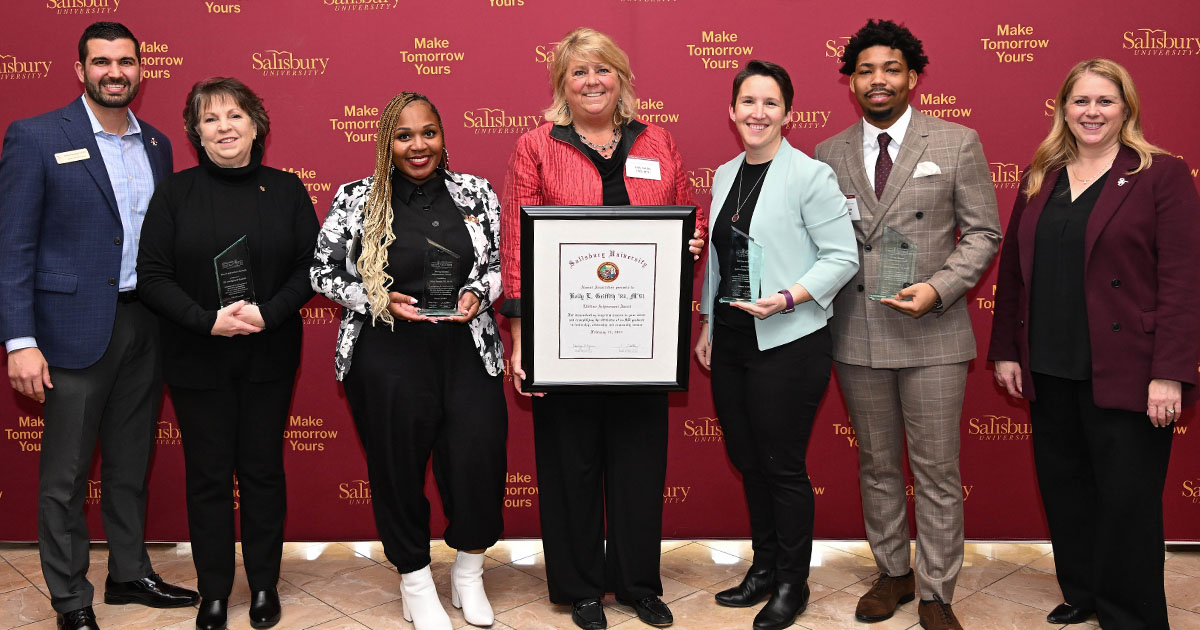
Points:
x=335 y=266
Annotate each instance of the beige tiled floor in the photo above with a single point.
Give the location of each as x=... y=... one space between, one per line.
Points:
x=351 y=586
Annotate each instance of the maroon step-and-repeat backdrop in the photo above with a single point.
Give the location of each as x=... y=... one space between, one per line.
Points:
x=325 y=69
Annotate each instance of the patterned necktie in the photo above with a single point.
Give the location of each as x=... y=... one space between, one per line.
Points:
x=883 y=165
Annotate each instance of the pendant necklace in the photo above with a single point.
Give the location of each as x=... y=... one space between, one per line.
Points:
x=1087 y=182
x=742 y=202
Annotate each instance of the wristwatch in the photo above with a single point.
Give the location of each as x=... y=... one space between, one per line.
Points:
x=791 y=302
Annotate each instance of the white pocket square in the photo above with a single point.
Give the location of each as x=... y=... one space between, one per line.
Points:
x=925 y=169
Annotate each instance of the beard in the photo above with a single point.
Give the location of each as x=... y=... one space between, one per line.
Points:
x=879 y=115
x=102 y=98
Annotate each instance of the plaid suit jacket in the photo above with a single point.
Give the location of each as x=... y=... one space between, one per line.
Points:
x=950 y=217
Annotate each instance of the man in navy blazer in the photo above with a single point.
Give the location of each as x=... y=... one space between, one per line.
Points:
x=74 y=186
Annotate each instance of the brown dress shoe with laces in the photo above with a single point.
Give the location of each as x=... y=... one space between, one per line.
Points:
x=936 y=614
x=885 y=596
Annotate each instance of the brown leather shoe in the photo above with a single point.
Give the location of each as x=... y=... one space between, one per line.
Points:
x=885 y=596
x=936 y=614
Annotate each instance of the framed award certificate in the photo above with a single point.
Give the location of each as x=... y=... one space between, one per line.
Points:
x=606 y=297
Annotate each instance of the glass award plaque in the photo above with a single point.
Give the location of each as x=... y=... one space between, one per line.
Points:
x=745 y=268
x=234 y=280
x=899 y=266
x=441 y=281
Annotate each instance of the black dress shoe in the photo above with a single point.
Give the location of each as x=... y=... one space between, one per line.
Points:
x=264 y=608
x=149 y=591
x=754 y=587
x=589 y=614
x=651 y=610
x=787 y=602
x=212 y=615
x=79 y=619
x=1067 y=614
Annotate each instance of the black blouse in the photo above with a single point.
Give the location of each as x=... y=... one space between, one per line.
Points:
x=726 y=314
x=612 y=170
x=421 y=212
x=1058 y=322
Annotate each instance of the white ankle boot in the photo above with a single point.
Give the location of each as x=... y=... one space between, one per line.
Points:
x=466 y=589
x=421 y=604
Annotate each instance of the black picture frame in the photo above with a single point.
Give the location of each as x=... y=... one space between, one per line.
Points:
x=670 y=330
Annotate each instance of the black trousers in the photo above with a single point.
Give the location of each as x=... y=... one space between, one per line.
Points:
x=601 y=457
x=1102 y=473
x=766 y=401
x=420 y=390
x=116 y=401
x=236 y=429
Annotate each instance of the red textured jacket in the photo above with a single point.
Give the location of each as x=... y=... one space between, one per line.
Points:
x=548 y=171
x=1141 y=271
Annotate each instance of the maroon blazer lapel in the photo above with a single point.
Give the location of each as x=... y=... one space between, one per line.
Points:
x=1116 y=186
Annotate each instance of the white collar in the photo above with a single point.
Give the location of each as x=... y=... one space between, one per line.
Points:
x=896 y=131
x=134 y=128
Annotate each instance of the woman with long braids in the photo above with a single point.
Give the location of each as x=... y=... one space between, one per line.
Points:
x=421 y=384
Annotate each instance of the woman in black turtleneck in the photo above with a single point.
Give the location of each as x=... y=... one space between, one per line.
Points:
x=230 y=369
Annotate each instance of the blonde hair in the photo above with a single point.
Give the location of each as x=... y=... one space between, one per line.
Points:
x=1060 y=147
x=377 y=222
x=585 y=44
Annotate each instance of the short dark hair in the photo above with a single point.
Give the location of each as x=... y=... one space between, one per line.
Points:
x=885 y=33
x=110 y=31
x=760 y=68
x=204 y=91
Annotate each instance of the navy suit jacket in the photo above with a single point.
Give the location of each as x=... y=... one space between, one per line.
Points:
x=60 y=235
x=1141 y=282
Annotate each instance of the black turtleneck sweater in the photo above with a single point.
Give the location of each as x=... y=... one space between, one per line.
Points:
x=194 y=215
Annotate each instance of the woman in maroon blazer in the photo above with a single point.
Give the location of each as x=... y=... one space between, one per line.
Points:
x=1097 y=324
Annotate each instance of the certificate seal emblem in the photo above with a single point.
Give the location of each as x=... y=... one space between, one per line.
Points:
x=608 y=271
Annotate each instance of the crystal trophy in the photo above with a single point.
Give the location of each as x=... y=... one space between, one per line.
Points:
x=234 y=279
x=745 y=268
x=441 y=281
x=898 y=269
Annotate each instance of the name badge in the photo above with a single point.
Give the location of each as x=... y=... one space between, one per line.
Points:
x=852 y=208
x=642 y=168
x=71 y=156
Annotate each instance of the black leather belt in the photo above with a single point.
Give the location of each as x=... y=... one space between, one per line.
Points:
x=127 y=297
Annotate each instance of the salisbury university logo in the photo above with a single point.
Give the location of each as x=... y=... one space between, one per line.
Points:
x=608 y=271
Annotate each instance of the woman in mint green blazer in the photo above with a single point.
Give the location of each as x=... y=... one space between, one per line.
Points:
x=771 y=357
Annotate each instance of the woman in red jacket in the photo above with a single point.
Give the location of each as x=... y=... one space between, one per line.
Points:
x=1097 y=311
x=593 y=449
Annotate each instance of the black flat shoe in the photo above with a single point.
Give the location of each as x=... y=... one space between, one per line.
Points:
x=149 y=591
x=754 y=587
x=212 y=615
x=264 y=608
x=787 y=602
x=1067 y=614
x=78 y=619
x=589 y=614
x=651 y=610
